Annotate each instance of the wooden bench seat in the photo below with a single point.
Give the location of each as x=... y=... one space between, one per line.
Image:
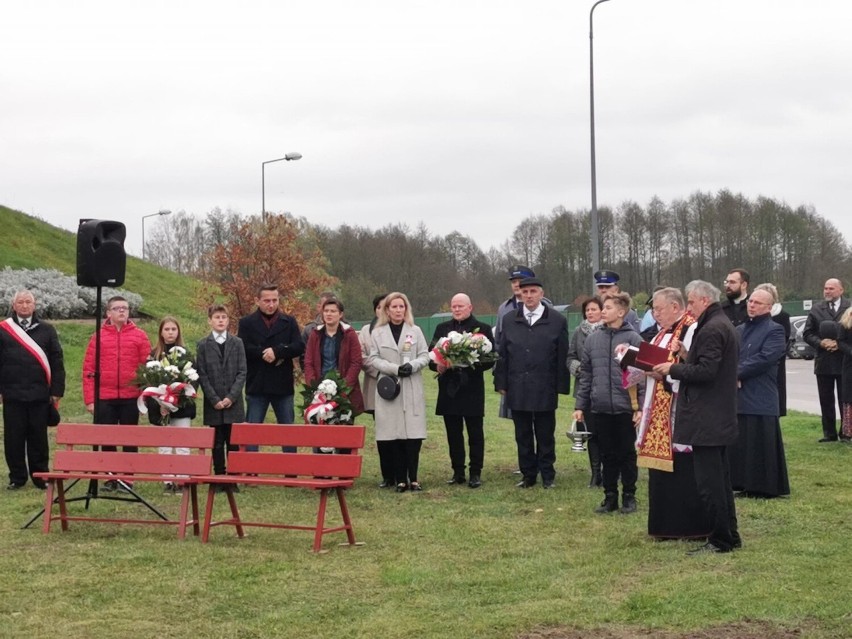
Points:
x=76 y=460
x=303 y=469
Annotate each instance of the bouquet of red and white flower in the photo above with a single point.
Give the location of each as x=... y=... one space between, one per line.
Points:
x=168 y=380
x=463 y=350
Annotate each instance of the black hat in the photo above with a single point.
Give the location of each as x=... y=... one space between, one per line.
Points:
x=531 y=281
x=519 y=272
x=606 y=278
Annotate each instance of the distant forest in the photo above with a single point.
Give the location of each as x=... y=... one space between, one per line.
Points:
x=702 y=236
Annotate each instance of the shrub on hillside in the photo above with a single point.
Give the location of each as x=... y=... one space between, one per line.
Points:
x=57 y=295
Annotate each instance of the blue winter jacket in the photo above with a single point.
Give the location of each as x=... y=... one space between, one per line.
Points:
x=762 y=344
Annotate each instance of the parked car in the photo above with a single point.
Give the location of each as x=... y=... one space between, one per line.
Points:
x=798 y=348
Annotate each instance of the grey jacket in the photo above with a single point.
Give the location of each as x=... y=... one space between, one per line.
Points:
x=222 y=376
x=599 y=386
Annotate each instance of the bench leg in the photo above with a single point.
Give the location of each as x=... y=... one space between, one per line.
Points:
x=320 y=520
x=235 y=513
x=184 y=509
x=344 y=511
x=48 y=507
x=208 y=513
x=63 y=507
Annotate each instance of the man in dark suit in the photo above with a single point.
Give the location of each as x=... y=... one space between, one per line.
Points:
x=272 y=341
x=736 y=296
x=706 y=410
x=32 y=376
x=461 y=394
x=531 y=373
x=828 y=363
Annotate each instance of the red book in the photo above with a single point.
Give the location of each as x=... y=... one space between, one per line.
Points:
x=650 y=355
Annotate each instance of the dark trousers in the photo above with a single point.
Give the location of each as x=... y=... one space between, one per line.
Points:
x=475 y=441
x=826 y=386
x=221 y=444
x=118 y=411
x=406 y=458
x=387 y=450
x=713 y=480
x=534 y=435
x=616 y=439
x=25 y=439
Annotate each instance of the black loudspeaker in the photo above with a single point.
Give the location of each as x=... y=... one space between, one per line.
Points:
x=101 y=259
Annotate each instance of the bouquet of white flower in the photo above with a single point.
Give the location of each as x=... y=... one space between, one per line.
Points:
x=463 y=350
x=168 y=380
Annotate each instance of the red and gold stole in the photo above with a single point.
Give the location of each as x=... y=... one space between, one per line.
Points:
x=655 y=443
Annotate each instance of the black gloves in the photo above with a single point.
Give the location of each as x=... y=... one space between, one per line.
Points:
x=404 y=370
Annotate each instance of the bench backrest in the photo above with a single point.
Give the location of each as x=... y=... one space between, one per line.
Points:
x=302 y=463
x=73 y=458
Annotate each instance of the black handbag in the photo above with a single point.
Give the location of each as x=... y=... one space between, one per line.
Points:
x=388 y=387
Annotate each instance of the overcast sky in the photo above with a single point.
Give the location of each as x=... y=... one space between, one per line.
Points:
x=465 y=115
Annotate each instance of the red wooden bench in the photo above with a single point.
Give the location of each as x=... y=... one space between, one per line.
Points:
x=303 y=469
x=75 y=460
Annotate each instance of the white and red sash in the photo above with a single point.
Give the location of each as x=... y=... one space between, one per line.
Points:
x=29 y=344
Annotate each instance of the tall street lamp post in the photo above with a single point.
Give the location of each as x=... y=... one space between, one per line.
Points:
x=289 y=157
x=596 y=240
x=160 y=212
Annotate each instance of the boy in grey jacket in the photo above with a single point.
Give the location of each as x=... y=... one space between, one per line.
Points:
x=616 y=410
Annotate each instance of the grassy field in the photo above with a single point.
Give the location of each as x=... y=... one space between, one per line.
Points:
x=449 y=562
x=493 y=562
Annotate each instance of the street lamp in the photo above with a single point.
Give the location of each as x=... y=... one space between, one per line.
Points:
x=160 y=212
x=596 y=241
x=288 y=157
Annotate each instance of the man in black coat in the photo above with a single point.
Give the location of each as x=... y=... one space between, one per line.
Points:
x=32 y=376
x=706 y=410
x=461 y=394
x=531 y=372
x=272 y=341
x=735 y=305
x=828 y=363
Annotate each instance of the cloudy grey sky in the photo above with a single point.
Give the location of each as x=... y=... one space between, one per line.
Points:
x=465 y=115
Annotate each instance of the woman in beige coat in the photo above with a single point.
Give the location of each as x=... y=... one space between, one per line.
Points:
x=399 y=349
x=369 y=388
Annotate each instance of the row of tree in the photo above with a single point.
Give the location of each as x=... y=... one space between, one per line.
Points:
x=702 y=236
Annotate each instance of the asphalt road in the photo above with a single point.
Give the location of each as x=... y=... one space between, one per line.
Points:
x=801 y=386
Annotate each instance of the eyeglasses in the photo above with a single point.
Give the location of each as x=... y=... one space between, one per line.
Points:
x=119 y=309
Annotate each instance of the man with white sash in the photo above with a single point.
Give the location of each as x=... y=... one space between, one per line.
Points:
x=32 y=377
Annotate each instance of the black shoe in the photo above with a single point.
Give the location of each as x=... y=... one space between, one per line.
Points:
x=415 y=487
x=608 y=505
x=110 y=486
x=548 y=484
x=827 y=439
x=525 y=483
x=475 y=481
x=456 y=479
x=846 y=440
x=14 y=486
x=387 y=483
x=737 y=544
x=709 y=547
x=401 y=488
x=40 y=484
x=628 y=504
x=597 y=480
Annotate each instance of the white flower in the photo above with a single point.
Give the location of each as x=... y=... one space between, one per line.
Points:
x=172 y=369
x=153 y=364
x=455 y=337
x=327 y=388
x=178 y=350
x=191 y=374
x=485 y=346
